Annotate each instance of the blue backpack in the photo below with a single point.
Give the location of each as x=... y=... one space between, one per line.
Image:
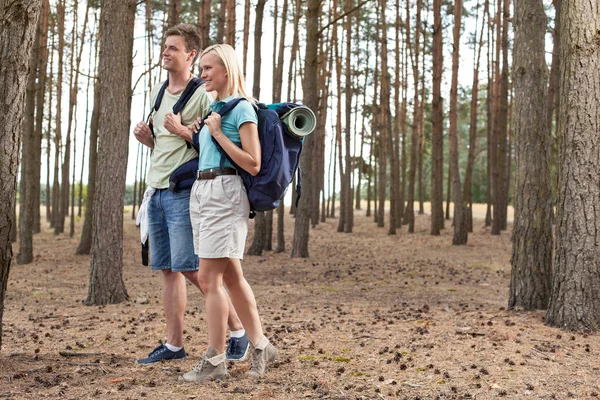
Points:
x=185 y=175
x=280 y=157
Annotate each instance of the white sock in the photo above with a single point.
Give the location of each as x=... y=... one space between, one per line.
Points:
x=262 y=343
x=237 y=334
x=173 y=348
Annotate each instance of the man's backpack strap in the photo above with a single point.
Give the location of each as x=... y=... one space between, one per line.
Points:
x=187 y=94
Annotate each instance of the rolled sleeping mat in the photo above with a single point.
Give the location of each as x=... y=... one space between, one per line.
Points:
x=300 y=121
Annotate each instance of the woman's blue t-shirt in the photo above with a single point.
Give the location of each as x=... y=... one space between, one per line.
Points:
x=230 y=125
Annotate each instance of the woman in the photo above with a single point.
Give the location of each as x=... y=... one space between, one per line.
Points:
x=219 y=211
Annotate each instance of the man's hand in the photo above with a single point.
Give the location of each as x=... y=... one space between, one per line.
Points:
x=172 y=123
x=143 y=134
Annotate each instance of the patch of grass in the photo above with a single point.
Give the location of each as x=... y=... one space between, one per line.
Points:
x=451 y=290
x=341 y=359
x=357 y=373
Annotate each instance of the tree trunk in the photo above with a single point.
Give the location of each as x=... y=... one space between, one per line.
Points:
x=259 y=239
x=85 y=243
x=204 y=15
x=460 y=230
x=18 y=21
x=280 y=225
x=26 y=201
x=310 y=91
x=575 y=300
x=49 y=216
x=57 y=205
x=531 y=277
x=39 y=122
x=230 y=30
x=552 y=104
x=349 y=210
x=338 y=123
x=500 y=133
x=448 y=189
x=409 y=213
x=403 y=111
x=386 y=140
x=437 y=134
x=473 y=129
x=174 y=11
x=114 y=78
x=260 y=222
x=221 y=17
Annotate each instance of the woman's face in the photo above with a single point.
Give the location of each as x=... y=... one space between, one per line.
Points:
x=214 y=73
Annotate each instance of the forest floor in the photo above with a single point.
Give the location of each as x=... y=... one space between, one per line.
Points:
x=367 y=316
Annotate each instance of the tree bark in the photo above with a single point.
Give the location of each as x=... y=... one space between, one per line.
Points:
x=575 y=300
x=57 y=205
x=18 y=21
x=468 y=193
x=230 y=30
x=26 y=196
x=531 y=277
x=174 y=11
x=310 y=91
x=409 y=213
x=85 y=243
x=114 y=78
x=460 y=236
x=500 y=133
x=437 y=134
x=39 y=122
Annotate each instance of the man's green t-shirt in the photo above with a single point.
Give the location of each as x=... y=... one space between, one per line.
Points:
x=170 y=151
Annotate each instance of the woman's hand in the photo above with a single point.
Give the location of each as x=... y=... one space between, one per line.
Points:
x=213 y=122
x=195 y=126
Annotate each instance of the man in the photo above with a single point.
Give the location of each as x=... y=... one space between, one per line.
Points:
x=169 y=226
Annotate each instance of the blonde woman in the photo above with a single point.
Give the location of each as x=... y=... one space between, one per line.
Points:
x=219 y=211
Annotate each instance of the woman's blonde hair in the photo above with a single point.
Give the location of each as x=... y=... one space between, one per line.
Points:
x=229 y=60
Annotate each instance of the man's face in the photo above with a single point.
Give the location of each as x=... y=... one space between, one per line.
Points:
x=175 y=57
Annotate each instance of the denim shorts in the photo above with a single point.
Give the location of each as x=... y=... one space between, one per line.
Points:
x=170 y=232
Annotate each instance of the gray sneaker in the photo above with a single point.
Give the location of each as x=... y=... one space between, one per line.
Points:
x=260 y=360
x=206 y=370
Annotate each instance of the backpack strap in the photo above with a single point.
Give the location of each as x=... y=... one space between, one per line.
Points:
x=187 y=94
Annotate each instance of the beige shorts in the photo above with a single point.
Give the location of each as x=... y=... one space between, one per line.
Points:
x=219 y=212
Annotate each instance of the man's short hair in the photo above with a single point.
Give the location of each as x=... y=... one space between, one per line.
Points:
x=190 y=35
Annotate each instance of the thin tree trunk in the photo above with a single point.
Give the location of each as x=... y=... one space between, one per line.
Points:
x=310 y=91
x=403 y=112
x=385 y=138
x=49 y=204
x=460 y=236
x=280 y=228
x=85 y=243
x=18 y=22
x=26 y=201
x=552 y=104
x=230 y=30
x=39 y=123
x=437 y=133
x=174 y=11
x=57 y=204
x=85 y=129
x=221 y=19
x=448 y=189
x=349 y=210
x=204 y=17
x=473 y=128
x=409 y=213
x=575 y=300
